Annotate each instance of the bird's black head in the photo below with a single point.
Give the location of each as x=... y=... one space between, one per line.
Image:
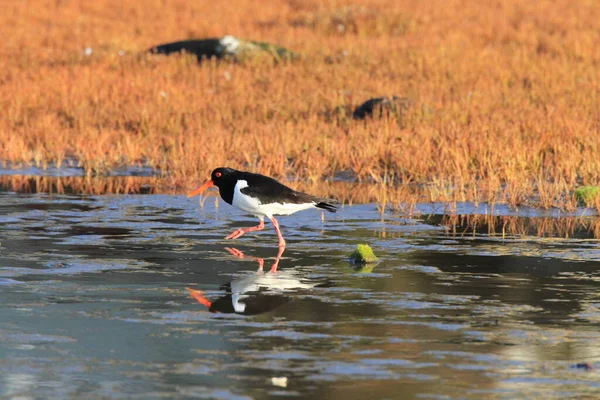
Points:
x=225 y=179
x=223 y=176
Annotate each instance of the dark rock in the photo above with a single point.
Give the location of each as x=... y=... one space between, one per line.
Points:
x=227 y=47
x=376 y=107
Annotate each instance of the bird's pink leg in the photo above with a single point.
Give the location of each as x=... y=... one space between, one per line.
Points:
x=237 y=253
x=279 y=236
x=277 y=258
x=239 y=232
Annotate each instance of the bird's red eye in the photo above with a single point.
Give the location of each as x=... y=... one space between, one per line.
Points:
x=217 y=174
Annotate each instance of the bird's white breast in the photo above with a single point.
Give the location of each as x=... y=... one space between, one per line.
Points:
x=253 y=206
x=280 y=283
x=243 y=201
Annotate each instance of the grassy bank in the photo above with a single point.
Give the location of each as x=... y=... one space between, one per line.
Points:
x=504 y=95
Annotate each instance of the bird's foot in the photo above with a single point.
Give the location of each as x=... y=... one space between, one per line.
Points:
x=239 y=254
x=235 y=234
x=239 y=232
x=235 y=252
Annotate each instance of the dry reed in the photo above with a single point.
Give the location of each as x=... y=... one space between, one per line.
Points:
x=504 y=94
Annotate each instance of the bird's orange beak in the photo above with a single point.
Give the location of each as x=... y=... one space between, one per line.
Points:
x=201 y=188
x=199 y=297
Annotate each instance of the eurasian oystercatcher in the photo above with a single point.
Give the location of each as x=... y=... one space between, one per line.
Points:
x=258 y=292
x=261 y=196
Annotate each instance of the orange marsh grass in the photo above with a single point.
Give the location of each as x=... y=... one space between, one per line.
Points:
x=513 y=227
x=504 y=94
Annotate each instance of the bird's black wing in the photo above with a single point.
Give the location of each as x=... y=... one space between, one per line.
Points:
x=269 y=191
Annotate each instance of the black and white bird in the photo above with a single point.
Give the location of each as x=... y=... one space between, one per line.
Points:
x=261 y=196
x=259 y=292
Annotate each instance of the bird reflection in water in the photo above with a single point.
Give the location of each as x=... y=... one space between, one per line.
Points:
x=257 y=292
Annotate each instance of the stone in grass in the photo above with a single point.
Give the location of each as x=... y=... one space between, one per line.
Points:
x=227 y=48
x=362 y=254
x=586 y=194
x=379 y=106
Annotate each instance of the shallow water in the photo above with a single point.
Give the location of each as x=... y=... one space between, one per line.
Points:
x=94 y=305
x=71 y=168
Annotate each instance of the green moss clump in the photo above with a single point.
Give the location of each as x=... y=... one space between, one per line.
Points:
x=362 y=254
x=586 y=194
x=364 y=268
